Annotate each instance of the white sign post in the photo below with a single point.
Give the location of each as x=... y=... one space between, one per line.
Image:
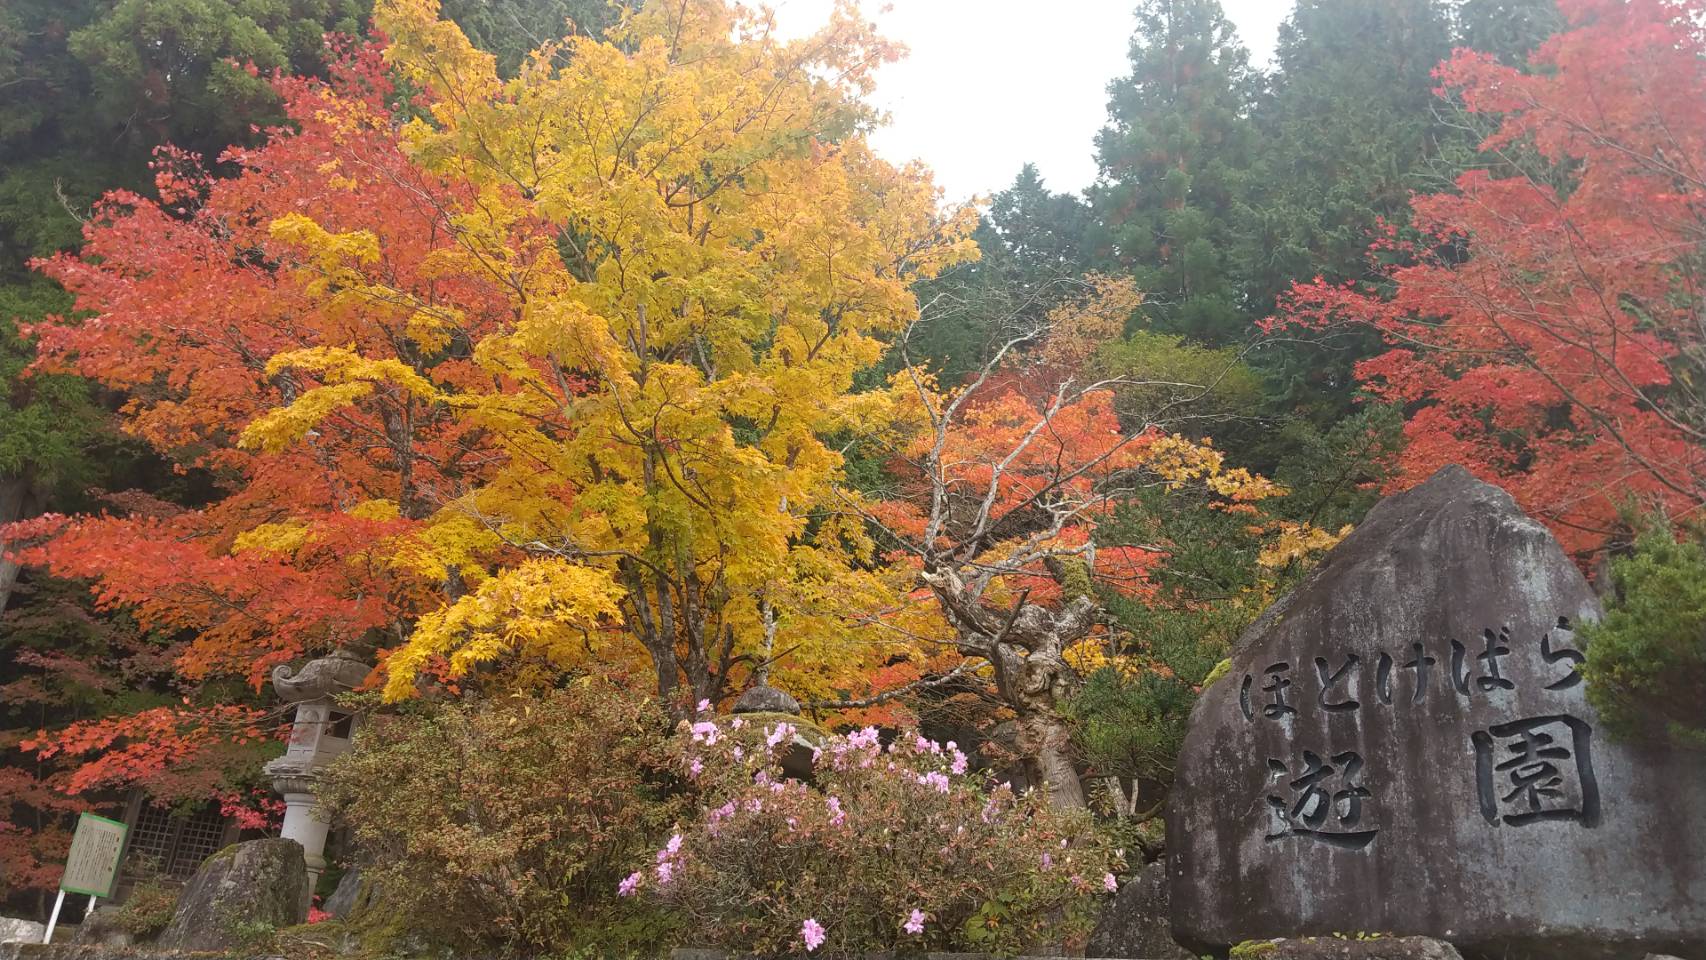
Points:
x=91 y=867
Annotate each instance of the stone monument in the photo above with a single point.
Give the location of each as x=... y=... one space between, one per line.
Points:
x=1403 y=746
x=259 y=882
x=319 y=733
x=1136 y=924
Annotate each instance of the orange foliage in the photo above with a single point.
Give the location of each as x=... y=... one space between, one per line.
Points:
x=180 y=304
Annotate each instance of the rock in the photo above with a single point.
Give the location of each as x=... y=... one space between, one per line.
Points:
x=104 y=927
x=1403 y=744
x=1137 y=922
x=239 y=890
x=766 y=699
x=351 y=895
x=797 y=760
x=14 y=930
x=1335 y=948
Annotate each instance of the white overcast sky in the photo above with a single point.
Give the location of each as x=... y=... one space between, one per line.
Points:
x=993 y=84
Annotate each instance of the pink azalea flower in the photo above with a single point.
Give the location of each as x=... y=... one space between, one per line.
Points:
x=665 y=871
x=812 y=933
x=704 y=705
x=914 y=923
x=629 y=884
x=1109 y=883
x=674 y=845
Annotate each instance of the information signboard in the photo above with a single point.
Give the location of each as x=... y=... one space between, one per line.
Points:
x=92 y=866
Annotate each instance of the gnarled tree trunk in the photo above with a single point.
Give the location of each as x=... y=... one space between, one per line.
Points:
x=1043 y=741
x=1027 y=649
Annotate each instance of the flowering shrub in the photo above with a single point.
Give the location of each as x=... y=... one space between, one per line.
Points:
x=504 y=825
x=896 y=848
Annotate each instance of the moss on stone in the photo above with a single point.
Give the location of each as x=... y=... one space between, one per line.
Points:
x=1221 y=669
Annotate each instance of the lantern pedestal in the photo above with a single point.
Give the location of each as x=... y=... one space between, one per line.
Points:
x=319 y=733
x=302 y=822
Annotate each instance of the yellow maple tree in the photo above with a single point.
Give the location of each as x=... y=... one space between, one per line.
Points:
x=700 y=252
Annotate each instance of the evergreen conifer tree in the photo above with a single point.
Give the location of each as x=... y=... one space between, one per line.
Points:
x=1174 y=168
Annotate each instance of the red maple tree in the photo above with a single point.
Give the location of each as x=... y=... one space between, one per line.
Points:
x=181 y=302
x=1546 y=328
x=1000 y=493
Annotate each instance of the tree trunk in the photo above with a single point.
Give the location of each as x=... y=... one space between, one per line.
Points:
x=18 y=501
x=1026 y=648
x=1044 y=742
x=1036 y=683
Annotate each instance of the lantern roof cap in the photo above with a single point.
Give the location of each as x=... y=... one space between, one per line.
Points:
x=321 y=677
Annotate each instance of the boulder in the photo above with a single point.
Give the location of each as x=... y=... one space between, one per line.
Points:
x=350 y=896
x=764 y=698
x=241 y=888
x=1403 y=743
x=104 y=927
x=14 y=930
x=1137 y=923
x=1346 y=948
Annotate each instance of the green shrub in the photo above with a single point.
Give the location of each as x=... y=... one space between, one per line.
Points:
x=1130 y=727
x=1646 y=661
x=1128 y=719
x=898 y=850
x=506 y=824
x=253 y=936
x=149 y=908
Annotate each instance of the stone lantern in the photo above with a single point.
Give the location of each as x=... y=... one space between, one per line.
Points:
x=319 y=733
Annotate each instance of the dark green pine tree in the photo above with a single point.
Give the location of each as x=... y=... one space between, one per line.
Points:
x=1507 y=29
x=513 y=29
x=1031 y=256
x=1175 y=160
x=1510 y=30
x=1040 y=234
x=1349 y=127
